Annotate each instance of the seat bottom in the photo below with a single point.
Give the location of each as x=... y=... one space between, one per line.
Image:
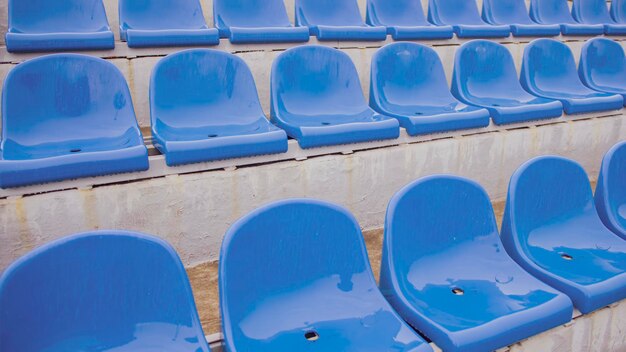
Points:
x=535 y=30
x=29 y=42
x=481 y=31
x=615 y=29
x=364 y=33
x=421 y=32
x=548 y=109
x=241 y=35
x=443 y=121
x=582 y=29
x=592 y=103
x=183 y=37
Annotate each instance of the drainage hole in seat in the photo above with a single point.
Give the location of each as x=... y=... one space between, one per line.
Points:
x=566 y=256
x=212 y=136
x=457 y=291
x=326 y=123
x=419 y=113
x=75 y=150
x=311 y=335
x=496 y=105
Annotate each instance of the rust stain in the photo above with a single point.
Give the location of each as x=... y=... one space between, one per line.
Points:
x=90 y=208
x=27 y=241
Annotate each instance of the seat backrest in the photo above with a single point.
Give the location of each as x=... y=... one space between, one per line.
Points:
x=406 y=74
x=591 y=11
x=250 y=13
x=618 y=11
x=315 y=79
x=396 y=13
x=548 y=65
x=550 y=11
x=328 y=12
x=453 y=12
x=298 y=250
x=77 y=98
x=505 y=12
x=201 y=87
x=45 y=16
x=98 y=291
x=611 y=189
x=602 y=63
x=161 y=14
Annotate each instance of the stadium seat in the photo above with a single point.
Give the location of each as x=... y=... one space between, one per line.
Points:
x=549 y=71
x=602 y=66
x=204 y=106
x=408 y=83
x=256 y=21
x=336 y=20
x=610 y=195
x=316 y=97
x=67 y=116
x=294 y=276
x=99 y=291
x=557 y=12
x=404 y=20
x=44 y=25
x=596 y=12
x=463 y=16
x=551 y=228
x=155 y=23
x=515 y=14
x=447 y=274
x=618 y=11
x=485 y=75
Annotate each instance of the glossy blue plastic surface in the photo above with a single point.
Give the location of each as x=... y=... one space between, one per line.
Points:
x=99 y=291
x=463 y=16
x=485 y=75
x=557 y=12
x=299 y=268
x=596 y=12
x=408 y=83
x=336 y=20
x=317 y=99
x=602 y=66
x=515 y=14
x=66 y=116
x=154 y=23
x=256 y=21
x=204 y=106
x=549 y=71
x=446 y=272
x=404 y=20
x=610 y=195
x=552 y=229
x=618 y=11
x=44 y=25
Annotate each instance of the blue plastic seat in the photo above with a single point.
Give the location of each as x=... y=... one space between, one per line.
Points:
x=485 y=75
x=602 y=66
x=551 y=228
x=404 y=20
x=463 y=16
x=447 y=274
x=316 y=97
x=336 y=20
x=67 y=116
x=549 y=71
x=44 y=25
x=515 y=14
x=294 y=276
x=618 y=11
x=610 y=195
x=408 y=83
x=99 y=291
x=154 y=23
x=557 y=12
x=204 y=106
x=596 y=12
x=256 y=21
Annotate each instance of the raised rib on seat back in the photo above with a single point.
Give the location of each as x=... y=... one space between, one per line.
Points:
x=557 y=12
x=610 y=197
x=99 y=291
x=596 y=12
x=618 y=11
x=602 y=66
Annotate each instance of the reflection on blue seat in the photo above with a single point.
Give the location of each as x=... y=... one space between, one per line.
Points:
x=99 y=291
x=408 y=83
x=485 y=75
x=596 y=12
x=549 y=71
x=336 y=20
x=618 y=11
x=515 y=14
x=256 y=21
x=294 y=276
x=463 y=16
x=610 y=195
x=557 y=12
x=204 y=106
x=552 y=229
x=404 y=20
x=317 y=99
x=446 y=272
x=44 y=25
x=153 y=23
x=602 y=66
x=67 y=116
